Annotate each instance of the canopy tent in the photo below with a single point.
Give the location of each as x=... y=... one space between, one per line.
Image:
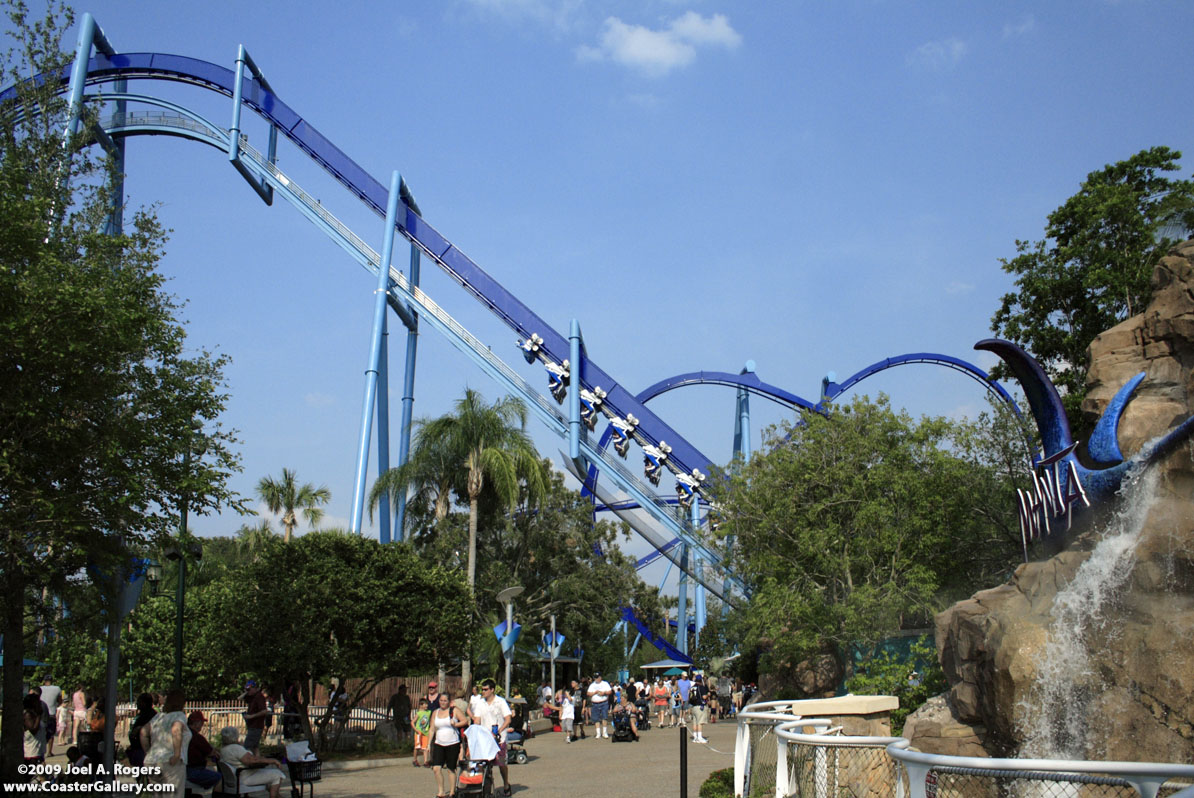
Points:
x=664 y=664
x=672 y=672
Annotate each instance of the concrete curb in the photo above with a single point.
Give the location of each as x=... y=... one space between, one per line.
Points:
x=365 y=764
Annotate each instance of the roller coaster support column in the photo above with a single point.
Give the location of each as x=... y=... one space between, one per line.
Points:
x=263 y=189
x=682 y=606
x=371 y=374
x=575 y=429
x=742 y=417
x=742 y=451
x=89 y=35
x=408 y=394
x=700 y=587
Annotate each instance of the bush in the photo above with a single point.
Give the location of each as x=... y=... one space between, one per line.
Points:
x=720 y=784
x=884 y=673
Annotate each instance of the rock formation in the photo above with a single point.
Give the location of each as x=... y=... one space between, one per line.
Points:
x=1138 y=697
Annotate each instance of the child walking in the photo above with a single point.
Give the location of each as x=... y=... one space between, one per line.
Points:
x=421 y=723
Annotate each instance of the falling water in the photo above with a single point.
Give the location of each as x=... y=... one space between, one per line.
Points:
x=1055 y=713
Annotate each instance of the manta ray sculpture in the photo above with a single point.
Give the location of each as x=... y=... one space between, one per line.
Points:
x=1095 y=485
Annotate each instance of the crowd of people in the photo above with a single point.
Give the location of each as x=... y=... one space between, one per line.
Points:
x=443 y=728
x=665 y=701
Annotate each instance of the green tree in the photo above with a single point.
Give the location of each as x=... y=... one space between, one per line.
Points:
x=1092 y=271
x=289 y=499
x=489 y=445
x=852 y=526
x=336 y=605
x=100 y=392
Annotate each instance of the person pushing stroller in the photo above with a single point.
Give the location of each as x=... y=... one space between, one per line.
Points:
x=492 y=712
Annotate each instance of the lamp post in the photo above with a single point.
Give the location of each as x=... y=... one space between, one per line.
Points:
x=181 y=551
x=507 y=597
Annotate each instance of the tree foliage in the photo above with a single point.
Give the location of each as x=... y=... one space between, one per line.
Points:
x=852 y=526
x=286 y=497
x=101 y=395
x=334 y=605
x=1092 y=271
x=478 y=446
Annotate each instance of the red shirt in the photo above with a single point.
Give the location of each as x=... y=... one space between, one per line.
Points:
x=256 y=704
x=198 y=751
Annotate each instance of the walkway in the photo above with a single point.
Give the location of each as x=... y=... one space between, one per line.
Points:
x=584 y=769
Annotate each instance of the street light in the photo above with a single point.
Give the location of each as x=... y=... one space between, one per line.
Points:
x=507 y=597
x=183 y=549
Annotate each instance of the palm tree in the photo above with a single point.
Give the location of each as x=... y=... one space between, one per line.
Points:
x=485 y=444
x=287 y=497
x=252 y=538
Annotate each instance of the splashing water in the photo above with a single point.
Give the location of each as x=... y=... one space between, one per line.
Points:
x=1056 y=711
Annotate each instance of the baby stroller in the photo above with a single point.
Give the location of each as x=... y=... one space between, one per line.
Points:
x=623 y=733
x=476 y=763
x=643 y=714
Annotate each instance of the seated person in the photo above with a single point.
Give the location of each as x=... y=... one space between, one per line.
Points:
x=625 y=709
x=237 y=756
x=198 y=753
x=79 y=767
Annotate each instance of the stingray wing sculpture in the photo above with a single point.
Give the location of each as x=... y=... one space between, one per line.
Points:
x=1069 y=483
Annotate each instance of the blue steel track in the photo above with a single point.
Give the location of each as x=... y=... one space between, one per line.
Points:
x=256 y=95
x=517 y=316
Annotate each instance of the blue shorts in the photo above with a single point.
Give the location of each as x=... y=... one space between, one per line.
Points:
x=599 y=711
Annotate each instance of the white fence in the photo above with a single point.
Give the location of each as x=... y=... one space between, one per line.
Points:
x=827 y=764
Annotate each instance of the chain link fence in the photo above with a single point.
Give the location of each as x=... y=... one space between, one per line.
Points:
x=760 y=779
x=842 y=770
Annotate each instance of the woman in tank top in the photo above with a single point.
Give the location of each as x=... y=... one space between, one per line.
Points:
x=446 y=723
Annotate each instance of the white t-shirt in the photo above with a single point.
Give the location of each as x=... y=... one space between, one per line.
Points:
x=599 y=692
x=492 y=713
x=161 y=739
x=567 y=708
x=231 y=755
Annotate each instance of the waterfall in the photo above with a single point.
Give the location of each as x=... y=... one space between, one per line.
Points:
x=1055 y=715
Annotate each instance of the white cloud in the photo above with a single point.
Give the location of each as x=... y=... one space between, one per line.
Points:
x=956 y=287
x=657 y=52
x=1025 y=25
x=942 y=54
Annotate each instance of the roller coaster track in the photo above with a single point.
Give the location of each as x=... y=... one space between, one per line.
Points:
x=402 y=296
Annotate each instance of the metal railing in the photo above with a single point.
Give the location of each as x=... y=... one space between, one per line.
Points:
x=755 y=760
x=939 y=776
x=833 y=765
x=824 y=764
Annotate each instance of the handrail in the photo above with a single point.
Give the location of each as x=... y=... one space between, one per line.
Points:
x=1145 y=777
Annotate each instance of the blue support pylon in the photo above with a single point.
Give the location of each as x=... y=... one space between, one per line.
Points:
x=682 y=605
x=742 y=418
x=383 y=429
x=374 y=368
x=575 y=428
x=700 y=587
x=408 y=393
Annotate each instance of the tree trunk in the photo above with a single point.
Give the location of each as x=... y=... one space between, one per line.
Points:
x=12 y=735
x=466 y=664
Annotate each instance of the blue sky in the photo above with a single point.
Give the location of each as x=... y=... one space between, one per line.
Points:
x=814 y=186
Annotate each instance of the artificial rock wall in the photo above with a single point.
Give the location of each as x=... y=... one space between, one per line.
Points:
x=1139 y=697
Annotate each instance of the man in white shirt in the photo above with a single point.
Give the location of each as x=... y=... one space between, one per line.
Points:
x=494 y=713
x=599 y=694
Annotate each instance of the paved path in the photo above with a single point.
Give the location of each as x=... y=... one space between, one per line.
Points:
x=585 y=769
